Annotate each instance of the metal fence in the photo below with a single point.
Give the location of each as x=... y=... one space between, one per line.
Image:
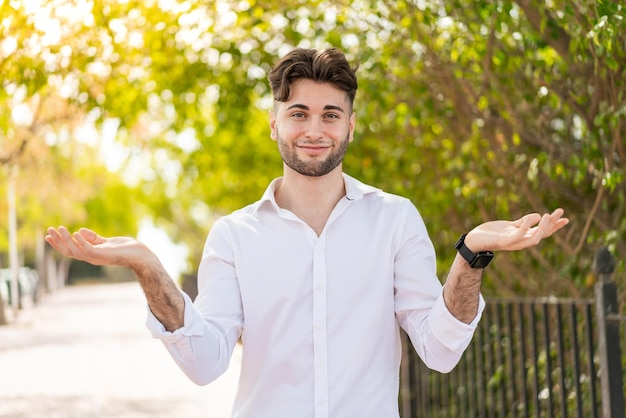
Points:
x=539 y=358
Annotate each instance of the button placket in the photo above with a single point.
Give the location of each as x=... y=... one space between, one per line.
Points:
x=320 y=345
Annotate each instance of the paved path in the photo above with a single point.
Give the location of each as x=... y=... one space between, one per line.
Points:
x=85 y=352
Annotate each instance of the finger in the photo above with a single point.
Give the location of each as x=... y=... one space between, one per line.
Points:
x=55 y=236
x=90 y=236
x=527 y=221
x=73 y=247
x=61 y=240
x=542 y=228
x=549 y=224
x=525 y=228
x=557 y=221
x=69 y=243
x=52 y=237
x=558 y=212
x=83 y=241
x=52 y=233
x=558 y=225
x=532 y=221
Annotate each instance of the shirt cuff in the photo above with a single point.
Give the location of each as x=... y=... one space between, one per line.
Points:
x=192 y=324
x=454 y=334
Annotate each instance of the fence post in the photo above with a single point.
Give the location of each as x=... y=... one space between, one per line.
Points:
x=608 y=336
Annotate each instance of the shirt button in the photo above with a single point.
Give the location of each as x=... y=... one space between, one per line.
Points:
x=318 y=287
x=319 y=325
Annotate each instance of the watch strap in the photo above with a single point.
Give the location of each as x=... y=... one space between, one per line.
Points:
x=475 y=260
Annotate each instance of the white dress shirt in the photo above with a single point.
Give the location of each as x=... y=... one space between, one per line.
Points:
x=319 y=317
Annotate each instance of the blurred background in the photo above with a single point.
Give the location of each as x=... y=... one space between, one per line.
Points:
x=150 y=119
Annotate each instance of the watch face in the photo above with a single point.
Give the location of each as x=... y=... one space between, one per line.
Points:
x=482 y=260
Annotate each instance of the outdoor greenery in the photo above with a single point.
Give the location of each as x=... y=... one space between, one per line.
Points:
x=114 y=110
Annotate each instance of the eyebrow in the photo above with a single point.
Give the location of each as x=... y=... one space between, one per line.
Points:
x=305 y=107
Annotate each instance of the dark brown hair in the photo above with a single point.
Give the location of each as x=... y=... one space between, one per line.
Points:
x=325 y=66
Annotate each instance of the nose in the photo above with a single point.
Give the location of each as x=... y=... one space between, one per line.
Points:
x=314 y=129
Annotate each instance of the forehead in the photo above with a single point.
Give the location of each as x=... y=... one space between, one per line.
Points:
x=315 y=94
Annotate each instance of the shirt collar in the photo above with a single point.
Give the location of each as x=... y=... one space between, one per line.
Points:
x=268 y=197
x=355 y=190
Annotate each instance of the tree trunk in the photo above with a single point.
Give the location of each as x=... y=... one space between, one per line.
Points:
x=3 y=318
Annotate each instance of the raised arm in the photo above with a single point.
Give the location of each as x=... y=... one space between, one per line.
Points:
x=164 y=298
x=462 y=287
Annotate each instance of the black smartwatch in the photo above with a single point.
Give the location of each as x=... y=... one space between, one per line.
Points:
x=475 y=260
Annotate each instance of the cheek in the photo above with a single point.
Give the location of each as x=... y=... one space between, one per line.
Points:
x=341 y=132
x=286 y=130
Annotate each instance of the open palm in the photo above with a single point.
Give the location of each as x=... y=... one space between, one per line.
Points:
x=86 y=245
x=522 y=233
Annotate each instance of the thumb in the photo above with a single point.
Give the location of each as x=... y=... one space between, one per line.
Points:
x=90 y=236
x=527 y=221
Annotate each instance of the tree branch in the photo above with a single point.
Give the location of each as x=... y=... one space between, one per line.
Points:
x=592 y=214
x=12 y=155
x=551 y=32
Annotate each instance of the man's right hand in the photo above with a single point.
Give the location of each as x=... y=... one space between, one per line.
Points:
x=163 y=296
x=86 y=245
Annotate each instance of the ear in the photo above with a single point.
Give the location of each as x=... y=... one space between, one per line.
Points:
x=352 y=125
x=273 y=133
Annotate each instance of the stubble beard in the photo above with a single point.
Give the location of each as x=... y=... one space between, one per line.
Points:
x=313 y=167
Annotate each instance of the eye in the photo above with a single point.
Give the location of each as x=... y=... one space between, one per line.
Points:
x=331 y=116
x=298 y=115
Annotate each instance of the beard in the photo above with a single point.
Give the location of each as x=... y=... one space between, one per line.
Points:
x=313 y=167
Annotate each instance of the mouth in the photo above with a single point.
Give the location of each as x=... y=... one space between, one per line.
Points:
x=314 y=149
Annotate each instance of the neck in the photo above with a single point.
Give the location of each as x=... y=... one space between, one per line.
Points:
x=312 y=199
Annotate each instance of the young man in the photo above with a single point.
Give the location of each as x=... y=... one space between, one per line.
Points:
x=319 y=275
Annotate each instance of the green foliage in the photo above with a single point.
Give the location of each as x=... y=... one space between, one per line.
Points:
x=472 y=109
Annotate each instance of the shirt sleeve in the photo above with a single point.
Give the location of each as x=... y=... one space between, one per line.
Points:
x=203 y=346
x=446 y=327
x=437 y=336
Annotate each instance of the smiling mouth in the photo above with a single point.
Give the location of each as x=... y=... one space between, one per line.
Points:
x=314 y=150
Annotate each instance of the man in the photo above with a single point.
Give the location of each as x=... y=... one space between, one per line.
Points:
x=318 y=276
